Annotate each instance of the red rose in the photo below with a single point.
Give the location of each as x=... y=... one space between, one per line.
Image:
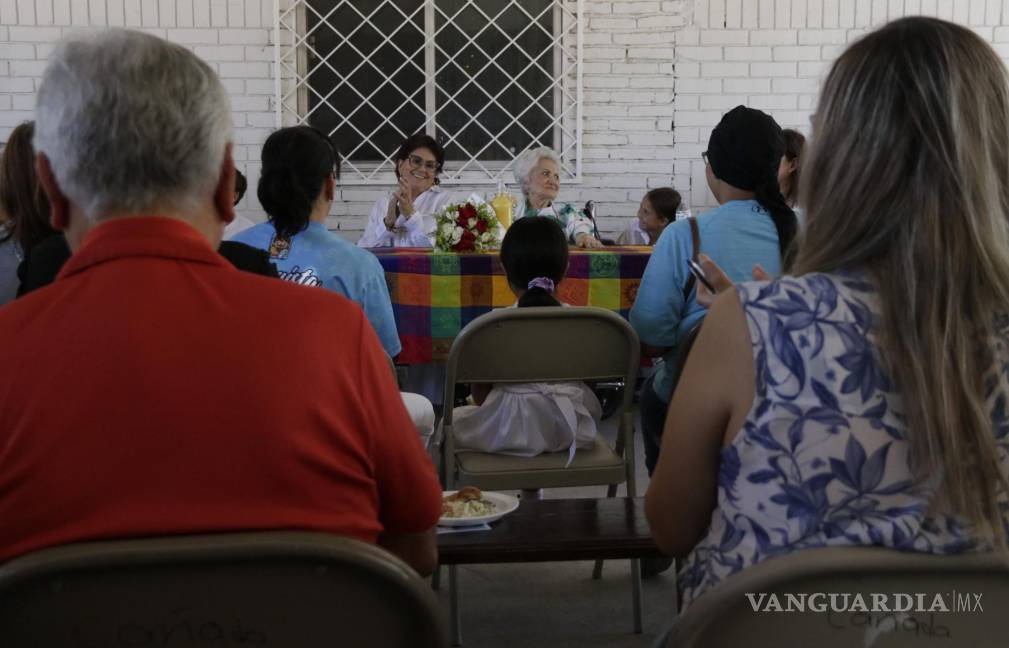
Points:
x=481 y=226
x=461 y=221
x=467 y=211
x=467 y=242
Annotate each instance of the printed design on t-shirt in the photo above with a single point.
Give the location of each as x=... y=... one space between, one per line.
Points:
x=306 y=277
x=279 y=247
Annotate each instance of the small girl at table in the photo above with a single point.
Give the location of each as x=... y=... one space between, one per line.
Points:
x=658 y=208
x=531 y=418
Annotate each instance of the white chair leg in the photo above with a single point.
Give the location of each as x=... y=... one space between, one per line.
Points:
x=453 y=605
x=636 y=594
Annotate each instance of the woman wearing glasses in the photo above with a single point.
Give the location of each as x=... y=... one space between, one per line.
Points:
x=538 y=173
x=405 y=218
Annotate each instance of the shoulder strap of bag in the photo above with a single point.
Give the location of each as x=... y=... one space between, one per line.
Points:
x=695 y=250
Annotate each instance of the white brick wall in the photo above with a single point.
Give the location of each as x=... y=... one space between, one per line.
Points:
x=228 y=34
x=628 y=142
x=772 y=55
x=647 y=66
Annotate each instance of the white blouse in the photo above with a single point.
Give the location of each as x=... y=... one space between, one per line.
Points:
x=633 y=234
x=416 y=231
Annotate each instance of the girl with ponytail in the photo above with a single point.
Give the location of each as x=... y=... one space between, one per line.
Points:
x=297 y=185
x=753 y=225
x=529 y=419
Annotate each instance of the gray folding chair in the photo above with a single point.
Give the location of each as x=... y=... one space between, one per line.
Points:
x=546 y=344
x=724 y=617
x=291 y=589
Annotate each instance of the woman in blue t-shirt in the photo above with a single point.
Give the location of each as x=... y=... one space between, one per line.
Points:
x=752 y=225
x=296 y=188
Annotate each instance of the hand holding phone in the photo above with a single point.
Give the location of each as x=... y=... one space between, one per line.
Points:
x=698 y=272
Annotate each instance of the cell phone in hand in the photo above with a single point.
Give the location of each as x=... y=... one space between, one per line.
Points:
x=698 y=272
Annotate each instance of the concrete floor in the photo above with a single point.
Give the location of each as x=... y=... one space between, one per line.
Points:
x=547 y=605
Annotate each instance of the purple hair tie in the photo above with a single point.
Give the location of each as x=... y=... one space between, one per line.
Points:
x=546 y=283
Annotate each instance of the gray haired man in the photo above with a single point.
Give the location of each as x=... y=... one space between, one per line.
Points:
x=155 y=389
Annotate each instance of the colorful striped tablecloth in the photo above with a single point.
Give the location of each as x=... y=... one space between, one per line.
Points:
x=434 y=295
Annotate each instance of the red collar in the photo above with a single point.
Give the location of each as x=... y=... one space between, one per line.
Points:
x=141 y=236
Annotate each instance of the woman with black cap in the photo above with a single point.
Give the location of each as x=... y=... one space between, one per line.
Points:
x=752 y=225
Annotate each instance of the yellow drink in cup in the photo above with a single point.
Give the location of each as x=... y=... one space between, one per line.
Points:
x=502 y=205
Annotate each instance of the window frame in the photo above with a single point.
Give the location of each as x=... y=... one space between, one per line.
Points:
x=291 y=93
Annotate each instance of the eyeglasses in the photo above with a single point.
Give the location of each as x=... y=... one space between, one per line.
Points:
x=704 y=156
x=418 y=162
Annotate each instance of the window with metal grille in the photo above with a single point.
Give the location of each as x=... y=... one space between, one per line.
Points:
x=488 y=78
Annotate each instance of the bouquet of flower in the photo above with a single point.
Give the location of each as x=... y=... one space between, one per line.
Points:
x=468 y=227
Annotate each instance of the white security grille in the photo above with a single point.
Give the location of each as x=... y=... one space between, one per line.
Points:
x=487 y=78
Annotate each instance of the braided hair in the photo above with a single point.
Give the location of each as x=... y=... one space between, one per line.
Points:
x=768 y=194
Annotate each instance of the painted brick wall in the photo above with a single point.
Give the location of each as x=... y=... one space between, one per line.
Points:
x=628 y=85
x=773 y=54
x=233 y=36
x=658 y=74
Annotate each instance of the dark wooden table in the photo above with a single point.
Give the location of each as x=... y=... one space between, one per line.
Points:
x=557 y=530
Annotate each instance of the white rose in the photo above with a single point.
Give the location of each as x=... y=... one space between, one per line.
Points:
x=456 y=235
x=472 y=222
x=485 y=237
x=446 y=229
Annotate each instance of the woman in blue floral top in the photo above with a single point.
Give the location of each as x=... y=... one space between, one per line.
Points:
x=538 y=173
x=863 y=399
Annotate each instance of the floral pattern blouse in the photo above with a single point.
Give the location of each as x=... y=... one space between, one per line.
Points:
x=570 y=218
x=822 y=458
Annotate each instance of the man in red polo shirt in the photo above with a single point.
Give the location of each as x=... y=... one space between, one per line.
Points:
x=154 y=389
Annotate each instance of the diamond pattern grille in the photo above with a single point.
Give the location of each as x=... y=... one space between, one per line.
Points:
x=488 y=78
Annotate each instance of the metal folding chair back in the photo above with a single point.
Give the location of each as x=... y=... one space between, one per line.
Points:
x=546 y=344
x=291 y=589
x=973 y=589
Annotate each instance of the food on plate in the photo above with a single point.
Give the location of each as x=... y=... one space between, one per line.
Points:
x=465 y=503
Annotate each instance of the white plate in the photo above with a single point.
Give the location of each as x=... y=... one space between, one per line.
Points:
x=503 y=505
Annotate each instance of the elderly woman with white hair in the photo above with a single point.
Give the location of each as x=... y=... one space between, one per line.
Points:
x=537 y=171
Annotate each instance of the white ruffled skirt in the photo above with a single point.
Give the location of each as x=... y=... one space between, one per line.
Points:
x=529 y=419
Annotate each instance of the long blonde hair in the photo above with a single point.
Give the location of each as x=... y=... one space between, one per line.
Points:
x=908 y=179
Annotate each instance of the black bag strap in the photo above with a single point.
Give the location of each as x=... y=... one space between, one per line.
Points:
x=695 y=251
